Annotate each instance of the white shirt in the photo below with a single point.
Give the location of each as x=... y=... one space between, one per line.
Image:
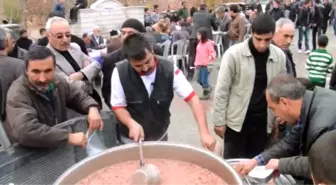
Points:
x=181 y=87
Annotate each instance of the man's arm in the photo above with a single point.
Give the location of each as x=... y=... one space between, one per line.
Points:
x=77 y=99
x=296 y=166
x=92 y=70
x=184 y=90
x=118 y=100
x=225 y=78
x=213 y=23
x=287 y=147
x=242 y=29
x=332 y=82
x=118 y=103
x=22 y=118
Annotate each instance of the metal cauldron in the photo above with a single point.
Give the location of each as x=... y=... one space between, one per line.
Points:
x=154 y=150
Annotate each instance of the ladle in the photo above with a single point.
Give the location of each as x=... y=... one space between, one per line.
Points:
x=147 y=174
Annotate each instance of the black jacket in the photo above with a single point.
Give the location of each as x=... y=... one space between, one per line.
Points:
x=317 y=117
x=290 y=65
x=277 y=13
x=291 y=12
x=332 y=83
x=326 y=14
x=109 y=63
x=81 y=3
x=304 y=17
x=203 y=19
x=316 y=16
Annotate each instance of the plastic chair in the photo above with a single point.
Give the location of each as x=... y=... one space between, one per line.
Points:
x=166 y=46
x=247 y=31
x=179 y=51
x=219 y=44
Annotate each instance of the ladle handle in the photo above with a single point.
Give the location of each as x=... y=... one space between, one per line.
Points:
x=142 y=163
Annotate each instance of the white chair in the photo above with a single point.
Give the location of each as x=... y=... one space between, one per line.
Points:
x=166 y=46
x=179 y=51
x=219 y=43
x=248 y=31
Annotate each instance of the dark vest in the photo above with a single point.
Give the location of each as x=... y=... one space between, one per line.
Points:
x=150 y=112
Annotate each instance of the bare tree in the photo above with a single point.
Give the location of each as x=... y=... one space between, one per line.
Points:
x=24 y=13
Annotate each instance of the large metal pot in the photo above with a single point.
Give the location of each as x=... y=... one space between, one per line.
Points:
x=154 y=150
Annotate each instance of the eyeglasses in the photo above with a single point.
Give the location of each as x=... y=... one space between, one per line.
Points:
x=61 y=36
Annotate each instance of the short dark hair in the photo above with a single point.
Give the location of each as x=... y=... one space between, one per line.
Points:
x=278 y=2
x=23 y=31
x=322 y=41
x=203 y=6
x=38 y=52
x=135 y=46
x=156 y=6
x=285 y=86
x=204 y=34
x=234 y=8
x=306 y=2
x=146 y=9
x=84 y=35
x=322 y=159
x=263 y=24
x=42 y=30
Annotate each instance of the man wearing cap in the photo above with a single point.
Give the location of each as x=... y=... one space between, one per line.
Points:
x=129 y=27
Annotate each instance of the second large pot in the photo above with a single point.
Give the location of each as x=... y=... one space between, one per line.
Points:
x=152 y=150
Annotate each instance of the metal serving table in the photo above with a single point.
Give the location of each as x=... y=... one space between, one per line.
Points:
x=44 y=166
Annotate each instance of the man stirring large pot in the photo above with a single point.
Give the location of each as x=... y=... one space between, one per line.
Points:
x=143 y=88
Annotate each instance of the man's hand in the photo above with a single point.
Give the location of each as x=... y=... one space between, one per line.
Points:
x=208 y=141
x=136 y=131
x=94 y=119
x=273 y=164
x=220 y=131
x=76 y=76
x=77 y=139
x=244 y=167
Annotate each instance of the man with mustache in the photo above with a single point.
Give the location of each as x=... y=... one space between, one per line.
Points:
x=283 y=37
x=37 y=101
x=71 y=62
x=143 y=88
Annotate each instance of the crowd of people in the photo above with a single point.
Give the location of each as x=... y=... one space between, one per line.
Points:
x=261 y=110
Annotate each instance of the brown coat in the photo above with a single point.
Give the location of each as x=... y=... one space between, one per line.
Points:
x=237 y=29
x=31 y=114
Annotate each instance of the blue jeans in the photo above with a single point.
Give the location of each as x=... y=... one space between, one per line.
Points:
x=202 y=78
x=305 y=34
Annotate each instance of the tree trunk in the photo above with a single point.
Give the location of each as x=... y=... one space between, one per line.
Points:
x=24 y=13
x=2 y=13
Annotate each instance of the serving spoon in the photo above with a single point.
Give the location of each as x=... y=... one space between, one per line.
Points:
x=147 y=174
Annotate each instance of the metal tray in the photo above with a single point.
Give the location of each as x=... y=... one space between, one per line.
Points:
x=281 y=180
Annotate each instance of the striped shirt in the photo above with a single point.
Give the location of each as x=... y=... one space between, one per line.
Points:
x=319 y=64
